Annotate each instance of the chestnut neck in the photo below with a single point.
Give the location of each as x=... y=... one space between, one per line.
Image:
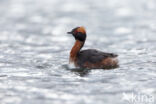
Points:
x=75 y=50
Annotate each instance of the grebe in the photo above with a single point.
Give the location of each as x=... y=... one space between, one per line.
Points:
x=91 y=58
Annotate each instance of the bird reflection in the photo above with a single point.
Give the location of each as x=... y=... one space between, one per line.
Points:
x=80 y=71
x=84 y=72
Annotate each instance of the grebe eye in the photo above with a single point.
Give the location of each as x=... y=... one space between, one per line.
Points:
x=75 y=32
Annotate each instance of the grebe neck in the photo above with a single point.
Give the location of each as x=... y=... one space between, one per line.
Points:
x=74 y=51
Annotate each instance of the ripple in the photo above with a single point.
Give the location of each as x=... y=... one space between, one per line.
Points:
x=124 y=12
x=122 y=30
x=34 y=50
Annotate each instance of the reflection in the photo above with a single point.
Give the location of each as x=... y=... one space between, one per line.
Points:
x=78 y=71
x=84 y=72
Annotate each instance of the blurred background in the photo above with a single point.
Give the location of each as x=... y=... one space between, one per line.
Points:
x=34 y=51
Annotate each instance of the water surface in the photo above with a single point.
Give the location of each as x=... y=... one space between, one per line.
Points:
x=34 y=51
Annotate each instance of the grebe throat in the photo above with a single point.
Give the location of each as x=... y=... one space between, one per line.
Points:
x=74 y=51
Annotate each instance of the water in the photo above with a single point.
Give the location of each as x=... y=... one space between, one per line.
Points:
x=34 y=51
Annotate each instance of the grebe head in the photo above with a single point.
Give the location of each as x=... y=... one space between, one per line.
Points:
x=79 y=33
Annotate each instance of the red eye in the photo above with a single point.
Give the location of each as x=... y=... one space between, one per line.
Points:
x=75 y=31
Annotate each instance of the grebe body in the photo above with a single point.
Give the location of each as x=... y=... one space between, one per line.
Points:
x=91 y=58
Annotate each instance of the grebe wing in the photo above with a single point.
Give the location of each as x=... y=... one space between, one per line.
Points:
x=93 y=56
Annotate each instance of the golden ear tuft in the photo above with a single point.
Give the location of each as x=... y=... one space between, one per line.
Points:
x=82 y=30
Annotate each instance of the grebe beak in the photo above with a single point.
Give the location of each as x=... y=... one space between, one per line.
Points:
x=69 y=32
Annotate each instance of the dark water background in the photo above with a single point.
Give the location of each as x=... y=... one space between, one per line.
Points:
x=34 y=51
